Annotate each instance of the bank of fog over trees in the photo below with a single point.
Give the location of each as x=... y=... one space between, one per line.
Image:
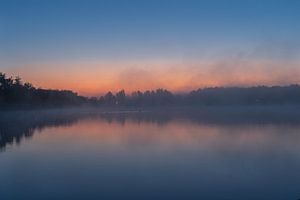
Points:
x=15 y=93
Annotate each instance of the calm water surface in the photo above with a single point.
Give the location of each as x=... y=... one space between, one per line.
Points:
x=148 y=156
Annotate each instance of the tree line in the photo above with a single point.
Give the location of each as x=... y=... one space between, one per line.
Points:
x=13 y=92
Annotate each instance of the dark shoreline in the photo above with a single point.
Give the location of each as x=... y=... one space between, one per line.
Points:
x=121 y=109
x=222 y=113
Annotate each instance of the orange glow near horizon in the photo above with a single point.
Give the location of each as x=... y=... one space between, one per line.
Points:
x=97 y=79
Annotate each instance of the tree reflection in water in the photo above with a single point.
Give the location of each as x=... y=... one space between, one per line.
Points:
x=16 y=125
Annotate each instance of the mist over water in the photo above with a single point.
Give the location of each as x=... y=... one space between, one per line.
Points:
x=149 y=100
x=207 y=153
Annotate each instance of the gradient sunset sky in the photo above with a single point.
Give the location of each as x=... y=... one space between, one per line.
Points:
x=95 y=46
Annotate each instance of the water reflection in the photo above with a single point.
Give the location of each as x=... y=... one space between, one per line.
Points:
x=14 y=126
x=203 y=154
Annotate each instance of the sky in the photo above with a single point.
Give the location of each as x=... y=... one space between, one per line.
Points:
x=91 y=46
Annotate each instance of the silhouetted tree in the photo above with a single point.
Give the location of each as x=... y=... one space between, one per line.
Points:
x=14 y=93
x=121 y=98
x=109 y=99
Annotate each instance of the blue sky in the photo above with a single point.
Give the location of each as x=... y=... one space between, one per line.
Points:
x=62 y=33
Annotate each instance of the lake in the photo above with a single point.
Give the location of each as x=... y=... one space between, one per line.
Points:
x=228 y=154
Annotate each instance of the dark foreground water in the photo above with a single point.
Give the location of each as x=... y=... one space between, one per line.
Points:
x=149 y=155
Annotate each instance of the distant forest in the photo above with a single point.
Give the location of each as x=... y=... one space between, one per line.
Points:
x=15 y=93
